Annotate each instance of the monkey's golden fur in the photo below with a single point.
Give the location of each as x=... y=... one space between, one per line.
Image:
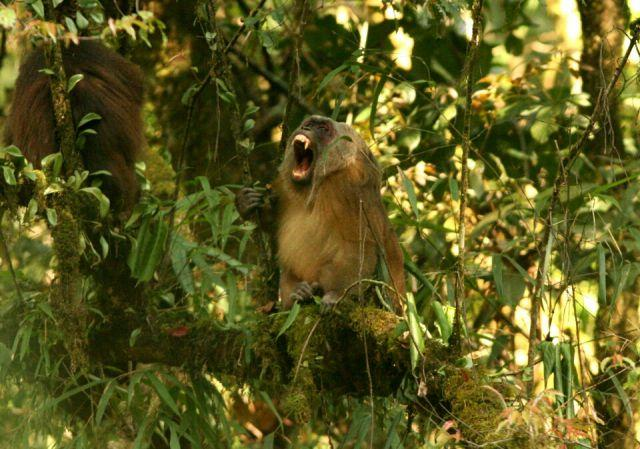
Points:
x=332 y=228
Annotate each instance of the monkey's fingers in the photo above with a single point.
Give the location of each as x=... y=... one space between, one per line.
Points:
x=248 y=200
x=303 y=292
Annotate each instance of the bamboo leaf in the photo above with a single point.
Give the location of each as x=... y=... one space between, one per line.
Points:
x=291 y=317
x=163 y=392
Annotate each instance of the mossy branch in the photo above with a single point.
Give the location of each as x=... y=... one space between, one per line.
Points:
x=329 y=356
x=66 y=290
x=470 y=61
x=65 y=128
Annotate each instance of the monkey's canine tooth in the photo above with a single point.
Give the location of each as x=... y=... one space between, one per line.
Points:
x=303 y=139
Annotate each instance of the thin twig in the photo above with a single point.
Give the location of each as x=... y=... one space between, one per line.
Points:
x=472 y=54
x=304 y=348
x=300 y=12
x=235 y=37
x=566 y=163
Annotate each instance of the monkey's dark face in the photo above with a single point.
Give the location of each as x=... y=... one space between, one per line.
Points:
x=307 y=145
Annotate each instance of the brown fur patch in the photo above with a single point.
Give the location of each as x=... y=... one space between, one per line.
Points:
x=112 y=88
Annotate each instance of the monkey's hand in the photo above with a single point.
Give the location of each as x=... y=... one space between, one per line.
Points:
x=305 y=292
x=248 y=201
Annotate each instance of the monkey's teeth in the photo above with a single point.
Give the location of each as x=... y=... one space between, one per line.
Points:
x=302 y=139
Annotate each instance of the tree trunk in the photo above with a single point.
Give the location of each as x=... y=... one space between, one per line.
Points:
x=603 y=25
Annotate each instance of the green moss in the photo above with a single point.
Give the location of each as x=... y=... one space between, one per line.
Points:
x=66 y=291
x=160 y=174
x=375 y=322
x=296 y=405
x=478 y=409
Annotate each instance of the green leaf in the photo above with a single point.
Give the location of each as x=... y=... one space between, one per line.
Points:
x=329 y=76
x=543 y=126
x=374 y=103
x=103 y=201
x=291 y=317
x=52 y=216
x=73 y=80
x=134 y=336
x=267 y=443
x=90 y=117
x=180 y=264
x=148 y=249
x=71 y=25
x=174 y=440
x=548 y=351
x=411 y=194
x=189 y=94
x=11 y=150
x=38 y=8
x=104 y=401
x=622 y=394
x=442 y=321
x=248 y=125
x=416 y=345
x=570 y=379
x=620 y=283
x=496 y=269
x=53 y=162
x=453 y=188
x=81 y=20
x=79 y=389
x=164 y=394
x=32 y=209
x=142 y=431
x=104 y=246
x=46 y=308
x=9 y=176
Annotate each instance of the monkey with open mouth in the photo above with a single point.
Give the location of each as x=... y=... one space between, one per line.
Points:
x=331 y=226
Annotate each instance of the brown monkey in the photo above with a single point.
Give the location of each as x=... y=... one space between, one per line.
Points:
x=111 y=88
x=332 y=228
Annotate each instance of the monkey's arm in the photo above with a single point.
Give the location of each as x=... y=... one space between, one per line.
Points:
x=259 y=206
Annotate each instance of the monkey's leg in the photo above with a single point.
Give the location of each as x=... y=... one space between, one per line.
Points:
x=330 y=299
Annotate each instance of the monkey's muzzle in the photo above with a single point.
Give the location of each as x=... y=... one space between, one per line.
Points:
x=303 y=154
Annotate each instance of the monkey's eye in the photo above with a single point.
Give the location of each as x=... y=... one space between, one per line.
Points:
x=323 y=128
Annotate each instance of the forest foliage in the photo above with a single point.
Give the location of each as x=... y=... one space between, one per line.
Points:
x=509 y=177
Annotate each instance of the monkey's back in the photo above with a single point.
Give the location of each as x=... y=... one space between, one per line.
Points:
x=112 y=87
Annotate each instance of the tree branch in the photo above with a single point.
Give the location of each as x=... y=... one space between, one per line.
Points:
x=472 y=53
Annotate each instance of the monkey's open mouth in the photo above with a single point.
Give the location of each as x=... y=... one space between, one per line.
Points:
x=303 y=153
